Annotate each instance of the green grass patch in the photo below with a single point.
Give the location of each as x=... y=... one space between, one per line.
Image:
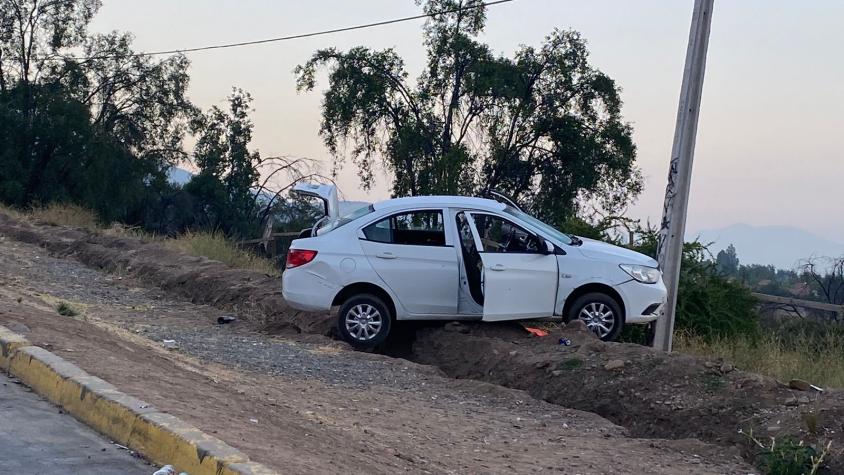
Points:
x=65 y=309
x=573 y=363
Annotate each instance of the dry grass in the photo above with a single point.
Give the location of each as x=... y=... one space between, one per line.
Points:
x=65 y=215
x=217 y=247
x=818 y=359
x=13 y=212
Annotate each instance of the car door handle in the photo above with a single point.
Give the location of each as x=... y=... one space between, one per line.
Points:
x=498 y=268
x=386 y=255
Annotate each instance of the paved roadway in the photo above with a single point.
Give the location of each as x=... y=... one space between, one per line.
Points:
x=36 y=439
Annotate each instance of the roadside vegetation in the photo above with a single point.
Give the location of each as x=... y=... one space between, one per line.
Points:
x=216 y=246
x=816 y=358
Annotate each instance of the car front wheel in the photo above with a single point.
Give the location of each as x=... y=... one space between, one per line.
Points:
x=601 y=314
x=364 y=321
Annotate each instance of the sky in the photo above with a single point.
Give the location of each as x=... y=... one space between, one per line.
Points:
x=769 y=146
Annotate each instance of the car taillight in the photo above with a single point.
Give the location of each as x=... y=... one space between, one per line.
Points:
x=298 y=257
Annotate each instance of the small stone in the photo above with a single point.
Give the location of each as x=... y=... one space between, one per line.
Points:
x=773 y=428
x=556 y=372
x=710 y=364
x=790 y=401
x=726 y=368
x=613 y=365
x=804 y=400
x=799 y=385
x=514 y=353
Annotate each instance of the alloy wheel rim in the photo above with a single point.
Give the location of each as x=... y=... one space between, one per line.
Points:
x=598 y=317
x=363 y=322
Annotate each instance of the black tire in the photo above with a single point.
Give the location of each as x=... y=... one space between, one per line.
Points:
x=355 y=329
x=593 y=309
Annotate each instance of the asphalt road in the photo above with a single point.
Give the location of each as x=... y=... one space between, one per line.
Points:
x=37 y=439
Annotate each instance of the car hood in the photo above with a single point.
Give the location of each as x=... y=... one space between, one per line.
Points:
x=594 y=249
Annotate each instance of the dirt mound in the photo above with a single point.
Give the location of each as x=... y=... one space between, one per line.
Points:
x=652 y=393
x=248 y=293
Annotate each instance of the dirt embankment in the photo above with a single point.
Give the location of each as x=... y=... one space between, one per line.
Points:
x=651 y=393
x=199 y=279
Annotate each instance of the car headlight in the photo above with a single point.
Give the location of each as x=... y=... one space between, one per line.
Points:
x=643 y=274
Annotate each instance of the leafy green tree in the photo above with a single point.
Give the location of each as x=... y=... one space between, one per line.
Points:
x=228 y=170
x=727 y=261
x=99 y=131
x=544 y=126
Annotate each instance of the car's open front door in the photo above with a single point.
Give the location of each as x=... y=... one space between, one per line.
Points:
x=519 y=281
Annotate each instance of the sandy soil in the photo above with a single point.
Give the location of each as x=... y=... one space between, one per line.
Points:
x=306 y=405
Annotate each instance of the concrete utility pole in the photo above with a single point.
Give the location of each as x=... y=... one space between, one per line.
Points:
x=670 y=247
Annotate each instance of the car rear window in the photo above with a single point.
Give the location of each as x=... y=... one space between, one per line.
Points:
x=329 y=226
x=414 y=228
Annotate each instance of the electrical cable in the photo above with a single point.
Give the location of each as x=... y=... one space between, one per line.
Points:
x=299 y=36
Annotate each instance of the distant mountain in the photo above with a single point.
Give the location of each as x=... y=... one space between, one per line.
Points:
x=781 y=246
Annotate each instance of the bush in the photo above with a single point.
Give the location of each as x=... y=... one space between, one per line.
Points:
x=65 y=309
x=709 y=305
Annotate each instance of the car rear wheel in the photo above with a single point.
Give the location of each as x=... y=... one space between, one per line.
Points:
x=364 y=321
x=601 y=314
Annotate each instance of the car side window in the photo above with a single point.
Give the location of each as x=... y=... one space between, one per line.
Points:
x=500 y=235
x=414 y=228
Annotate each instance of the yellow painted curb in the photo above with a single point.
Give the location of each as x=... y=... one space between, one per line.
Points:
x=9 y=342
x=160 y=437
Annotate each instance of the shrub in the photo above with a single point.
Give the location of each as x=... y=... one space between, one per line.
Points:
x=708 y=305
x=788 y=456
x=64 y=309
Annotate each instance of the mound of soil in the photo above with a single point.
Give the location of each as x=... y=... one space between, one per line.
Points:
x=653 y=394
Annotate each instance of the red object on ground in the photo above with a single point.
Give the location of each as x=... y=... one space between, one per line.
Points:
x=536 y=331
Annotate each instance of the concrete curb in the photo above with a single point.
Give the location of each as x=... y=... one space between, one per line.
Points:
x=160 y=437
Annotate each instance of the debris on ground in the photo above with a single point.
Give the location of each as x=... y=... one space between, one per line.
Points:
x=536 y=331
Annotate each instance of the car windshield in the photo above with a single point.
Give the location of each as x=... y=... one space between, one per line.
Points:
x=550 y=231
x=329 y=225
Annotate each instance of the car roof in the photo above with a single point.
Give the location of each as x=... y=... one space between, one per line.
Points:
x=450 y=201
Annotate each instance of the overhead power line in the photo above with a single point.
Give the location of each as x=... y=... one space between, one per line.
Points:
x=303 y=35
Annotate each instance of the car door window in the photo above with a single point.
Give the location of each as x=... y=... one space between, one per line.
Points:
x=500 y=235
x=414 y=228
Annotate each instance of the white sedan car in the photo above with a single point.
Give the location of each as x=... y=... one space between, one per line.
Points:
x=461 y=258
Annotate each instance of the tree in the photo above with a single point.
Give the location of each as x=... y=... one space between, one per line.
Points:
x=227 y=169
x=544 y=126
x=98 y=131
x=727 y=261
x=826 y=277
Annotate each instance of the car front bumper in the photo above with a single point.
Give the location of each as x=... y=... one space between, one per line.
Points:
x=643 y=303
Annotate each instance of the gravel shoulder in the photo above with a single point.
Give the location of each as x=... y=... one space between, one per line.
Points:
x=310 y=405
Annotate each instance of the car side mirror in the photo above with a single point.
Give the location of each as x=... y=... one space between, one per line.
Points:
x=547 y=247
